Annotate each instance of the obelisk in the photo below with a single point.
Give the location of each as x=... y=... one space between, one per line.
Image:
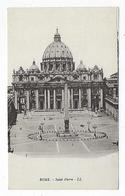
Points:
x=66 y=112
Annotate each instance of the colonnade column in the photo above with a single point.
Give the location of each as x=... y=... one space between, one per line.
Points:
x=62 y=98
x=72 y=98
x=79 y=98
x=101 y=99
x=16 y=104
x=48 y=99
x=27 y=100
x=54 y=96
x=114 y=93
x=89 y=98
x=45 y=99
x=68 y=98
x=37 y=99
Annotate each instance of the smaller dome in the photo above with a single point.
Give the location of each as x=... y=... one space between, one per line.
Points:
x=95 y=68
x=81 y=66
x=34 y=67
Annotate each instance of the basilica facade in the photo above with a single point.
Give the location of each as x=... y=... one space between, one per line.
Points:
x=42 y=87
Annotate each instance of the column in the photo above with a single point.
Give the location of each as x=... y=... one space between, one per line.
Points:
x=27 y=100
x=45 y=99
x=114 y=93
x=66 y=102
x=54 y=97
x=48 y=99
x=79 y=98
x=89 y=98
x=68 y=98
x=100 y=77
x=72 y=98
x=62 y=98
x=16 y=104
x=101 y=99
x=54 y=66
x=37 y=100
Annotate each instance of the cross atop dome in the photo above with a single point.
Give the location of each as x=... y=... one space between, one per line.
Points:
x=57 y=37
x=34 y=62
x=57 y=31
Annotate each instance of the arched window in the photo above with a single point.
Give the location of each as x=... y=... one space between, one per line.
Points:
x=95 y=76
x=64 y=67
x=20 y=78
x=50 y=67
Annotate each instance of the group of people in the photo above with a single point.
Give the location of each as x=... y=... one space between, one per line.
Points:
x=40 y=130
x=27 y=114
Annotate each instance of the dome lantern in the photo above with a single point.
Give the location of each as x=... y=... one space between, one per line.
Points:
x=57 y=37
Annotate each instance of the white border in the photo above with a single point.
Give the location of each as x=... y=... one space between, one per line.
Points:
x=3 y=96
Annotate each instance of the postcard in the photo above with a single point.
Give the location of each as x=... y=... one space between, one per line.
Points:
x=63 y=98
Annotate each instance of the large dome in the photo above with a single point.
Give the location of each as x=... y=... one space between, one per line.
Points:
x=57 y=49
x=57 y=57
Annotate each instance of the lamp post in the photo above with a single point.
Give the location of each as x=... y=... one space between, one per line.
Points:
x=94 y=127
x=89 y=126
x=42 y=126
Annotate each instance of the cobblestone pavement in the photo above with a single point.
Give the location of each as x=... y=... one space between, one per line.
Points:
x=53 y=122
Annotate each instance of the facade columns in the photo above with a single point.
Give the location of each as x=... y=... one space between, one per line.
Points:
x=48 y=99
x=37 y=99
x=79 y=98
x=114 y=93
x=54 y=96
x=62 y=98
x=89 y=98
x=66 y=112
x=27 y=100
x=72 y=98
x=16 y=104
x=45 y=99
x=68 y=98
x=101 y=99
x=100 y=77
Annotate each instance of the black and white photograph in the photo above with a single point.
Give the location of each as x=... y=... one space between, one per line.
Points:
x=63 y=97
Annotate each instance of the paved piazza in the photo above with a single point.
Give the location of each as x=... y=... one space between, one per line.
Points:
x=83 y=144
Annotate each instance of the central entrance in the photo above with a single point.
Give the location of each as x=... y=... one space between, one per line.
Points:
x=41 y=105
x=59 y=104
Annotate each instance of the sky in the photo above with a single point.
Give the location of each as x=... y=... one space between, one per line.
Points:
x=90 y=34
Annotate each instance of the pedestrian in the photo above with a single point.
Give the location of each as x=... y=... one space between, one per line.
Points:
x=30 y=116
x=95 y=135
x=24 y=112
